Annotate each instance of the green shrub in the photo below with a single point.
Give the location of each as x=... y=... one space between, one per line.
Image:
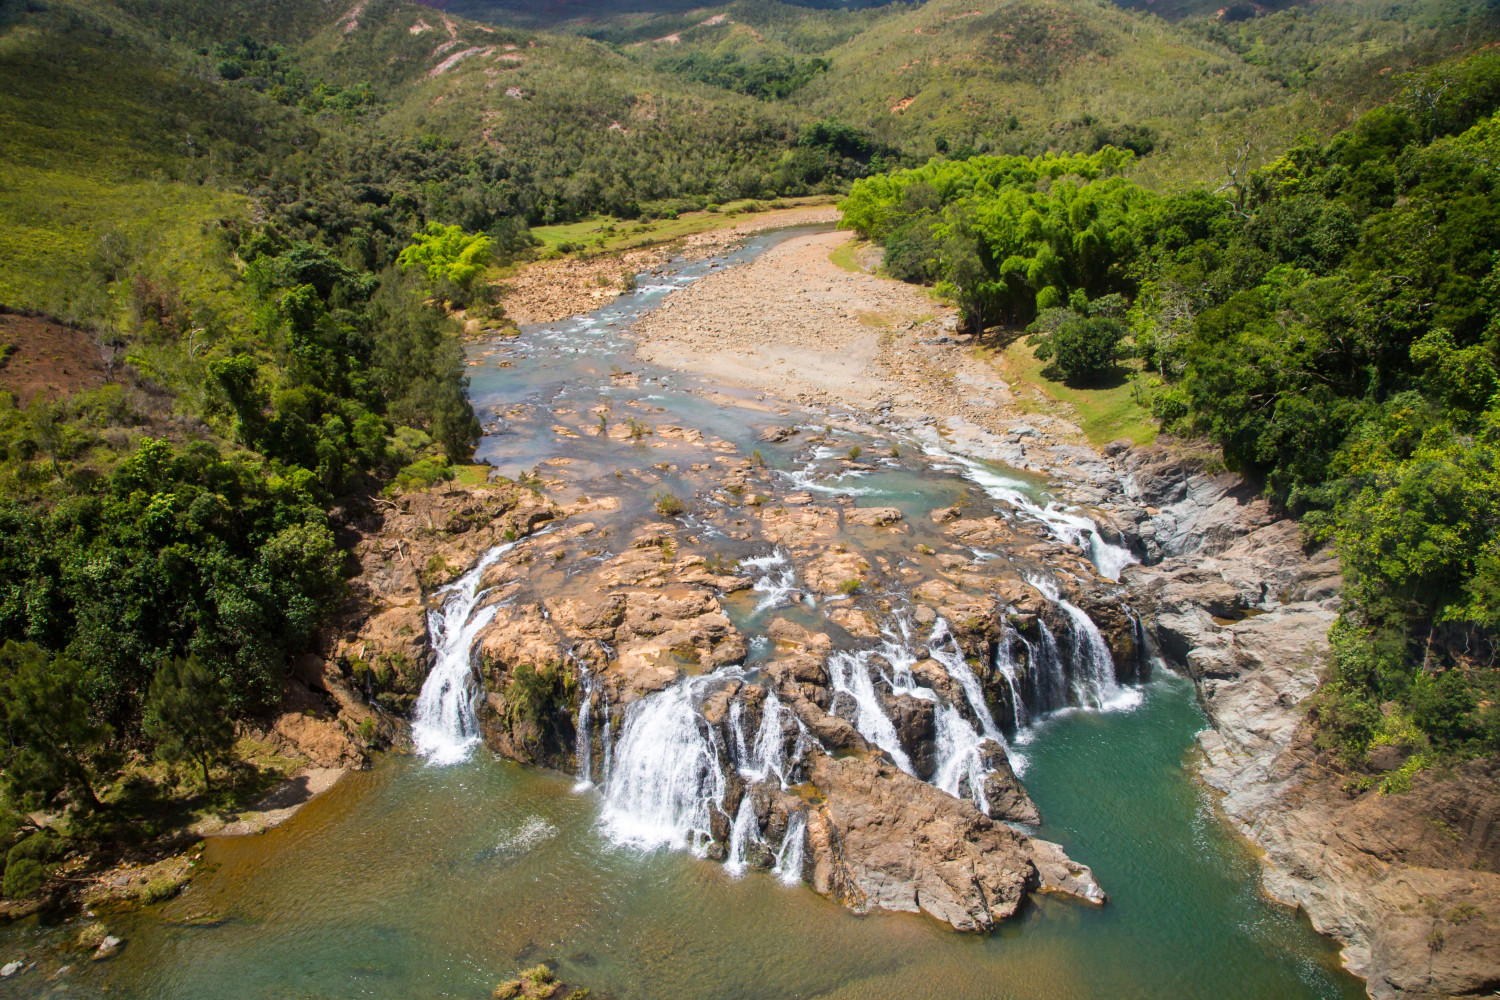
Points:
x=1082 y=350
x=23 y=879
x=668 y=505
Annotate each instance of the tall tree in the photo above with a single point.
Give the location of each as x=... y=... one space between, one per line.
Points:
x=52 y=743
x=187 y=715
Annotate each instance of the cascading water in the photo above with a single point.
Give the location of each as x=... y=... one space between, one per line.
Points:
x=767 y=755
x=958 y=744
x=941 y=646
x=788 y=865
x=1093 y=676
x=1075 y=529
x=850 y=673
x=746 y=831
x=666 y=777
x=608 y=748
x=585 y=743
x=444 y=727
x=777 y=582
x=1005 y=666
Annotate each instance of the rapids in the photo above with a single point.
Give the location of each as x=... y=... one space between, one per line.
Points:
x=440 y=873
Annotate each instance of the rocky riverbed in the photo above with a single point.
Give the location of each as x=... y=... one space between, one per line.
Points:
x=1231 y=595
x=810 y=625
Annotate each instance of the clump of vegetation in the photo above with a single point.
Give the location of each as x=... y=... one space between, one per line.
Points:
x=536 y=983
x=855 y=452
x=187 y=714
x=668 y=505
x=851 y=586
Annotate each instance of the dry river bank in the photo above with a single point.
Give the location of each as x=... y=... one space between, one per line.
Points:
x=1409 y=883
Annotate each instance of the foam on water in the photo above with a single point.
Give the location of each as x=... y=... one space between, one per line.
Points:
x=444 y=727
x=1075 y=529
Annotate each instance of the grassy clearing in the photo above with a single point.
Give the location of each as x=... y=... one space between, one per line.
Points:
x=471 y=476
x=1104 y=414
x=846 y=256
x=607 y=234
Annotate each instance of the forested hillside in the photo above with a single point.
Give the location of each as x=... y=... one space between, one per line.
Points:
x=1329 y=321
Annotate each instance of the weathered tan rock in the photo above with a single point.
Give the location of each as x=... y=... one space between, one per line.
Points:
x=798 y=527
x=855 y=621
x=832 y=571
x=873 y=517
x=881 y=839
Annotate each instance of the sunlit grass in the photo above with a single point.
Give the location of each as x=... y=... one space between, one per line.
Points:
x=1105 y=414
x=607 y=234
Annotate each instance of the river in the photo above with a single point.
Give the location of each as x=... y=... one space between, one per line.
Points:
x=440 y=877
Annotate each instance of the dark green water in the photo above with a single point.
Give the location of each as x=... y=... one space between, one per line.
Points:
x=409 y=882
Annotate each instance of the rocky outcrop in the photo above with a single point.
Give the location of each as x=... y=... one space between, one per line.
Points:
x=881 y=839
x=1406 y=882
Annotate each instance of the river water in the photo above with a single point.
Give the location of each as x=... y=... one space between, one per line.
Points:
x=441 y=876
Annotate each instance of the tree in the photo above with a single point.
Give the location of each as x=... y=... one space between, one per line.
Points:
x=1082 y=349
x=447 y=253
x=52 y=744
x=187 y=716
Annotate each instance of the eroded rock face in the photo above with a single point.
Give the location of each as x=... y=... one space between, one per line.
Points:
x=881 y=839
x=1407 y=882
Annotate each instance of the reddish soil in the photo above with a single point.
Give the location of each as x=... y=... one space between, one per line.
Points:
x=42 y=358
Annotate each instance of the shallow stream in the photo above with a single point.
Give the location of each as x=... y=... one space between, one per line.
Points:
x=416 y=879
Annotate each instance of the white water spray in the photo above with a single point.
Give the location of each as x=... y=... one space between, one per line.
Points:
x=777 y=582
x=666 y=777
x=1093 y=677
x=444 y=727
x=850 y=672
x=1075 y=529
x=746 y=831
x=788 y=866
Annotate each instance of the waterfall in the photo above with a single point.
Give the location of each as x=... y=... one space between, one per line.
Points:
x=604 y=738
x=1047 y=672
x=767 y=755
x=850 y=672
x=952 y=659
x=666 y=778
x=1093 y=676
x=746 y=830
x=958 y=757
x=584 y=740
x=789 y=858
x=1075 y=529
x=1005 y=666
x=444 y=727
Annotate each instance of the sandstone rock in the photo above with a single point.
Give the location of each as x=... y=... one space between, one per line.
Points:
x=881 y=839
x=944 y=514
x=855 y=621
x=1003 y=791
x=799 y=528
x=873 y=517
x=306 y=727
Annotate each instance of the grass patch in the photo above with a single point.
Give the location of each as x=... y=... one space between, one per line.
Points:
x=606 y=234
x=471 y=476
x=845 y=256
x=1104 y=414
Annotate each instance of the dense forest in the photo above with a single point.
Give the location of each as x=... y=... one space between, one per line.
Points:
x=1331 y=321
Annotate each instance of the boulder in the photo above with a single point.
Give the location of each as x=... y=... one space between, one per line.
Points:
x=882 y=839
x=873 y=517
